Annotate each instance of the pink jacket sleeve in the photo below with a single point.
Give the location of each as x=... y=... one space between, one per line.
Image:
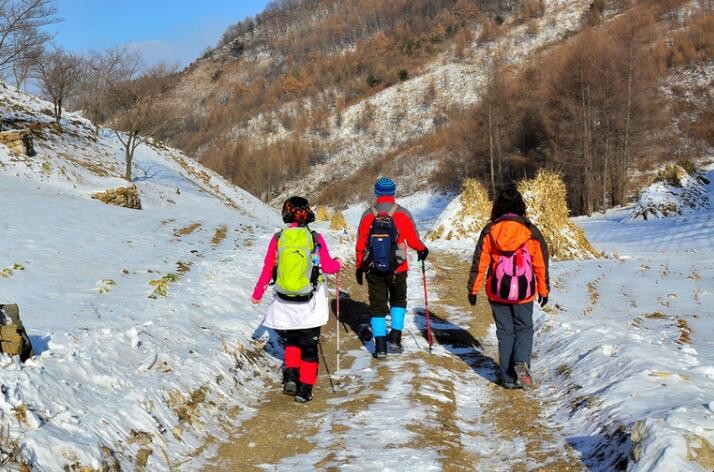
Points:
x=267 y=272
x=329 y=265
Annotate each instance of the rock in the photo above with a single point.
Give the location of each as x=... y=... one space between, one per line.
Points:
x=18 y=141
x=127 y=197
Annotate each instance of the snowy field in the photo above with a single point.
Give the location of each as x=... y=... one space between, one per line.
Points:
x=624 y=353
x=628 y=345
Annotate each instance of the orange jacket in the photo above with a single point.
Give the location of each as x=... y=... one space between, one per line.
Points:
x=507 y=234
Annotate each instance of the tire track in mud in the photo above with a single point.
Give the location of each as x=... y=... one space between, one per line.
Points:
x=452 y=415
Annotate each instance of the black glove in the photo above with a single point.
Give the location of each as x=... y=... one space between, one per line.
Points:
x=472 y=299
x=543 y=301
x=421 y=255
x=359 y=276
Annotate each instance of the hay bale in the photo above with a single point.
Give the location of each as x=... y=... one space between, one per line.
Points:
x=322 y=213
x=466 y=215
x=547 y=208
x=338 y=222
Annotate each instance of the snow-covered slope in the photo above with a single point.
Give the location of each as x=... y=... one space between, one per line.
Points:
x=627 y=348
x=118 y=376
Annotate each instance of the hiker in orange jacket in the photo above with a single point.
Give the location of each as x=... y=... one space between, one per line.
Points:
x=512 y=258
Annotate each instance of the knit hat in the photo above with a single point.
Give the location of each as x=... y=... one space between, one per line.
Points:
x=297 y=210
x=385 y=186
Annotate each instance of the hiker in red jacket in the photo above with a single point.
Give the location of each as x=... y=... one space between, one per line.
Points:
x=385 y=231
x=512 y=258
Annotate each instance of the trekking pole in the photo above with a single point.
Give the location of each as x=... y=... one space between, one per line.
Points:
x=337 y=322
x=426 y=307
x=327 y=369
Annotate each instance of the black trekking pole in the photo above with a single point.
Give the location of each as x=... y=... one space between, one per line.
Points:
x=327 y=369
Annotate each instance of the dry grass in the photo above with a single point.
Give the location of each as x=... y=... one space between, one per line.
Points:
x=338 y=222
x=685 y=332
x=186 y=230
x=701 y=451
x=219 y=235
x=547 y=207
x=322 y=213
x=472 y=216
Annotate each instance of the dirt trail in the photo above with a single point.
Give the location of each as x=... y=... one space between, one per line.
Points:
x=281 y=430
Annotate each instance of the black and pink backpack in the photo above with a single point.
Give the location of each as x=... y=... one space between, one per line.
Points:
x=512 y=276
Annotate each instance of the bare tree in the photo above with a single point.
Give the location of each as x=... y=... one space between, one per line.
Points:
x=101 y=70
x=138 y=113
x=58 y=75
x=21 y=34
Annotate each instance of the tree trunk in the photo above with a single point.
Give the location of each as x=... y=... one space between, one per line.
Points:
x=490 y=150
x=129 y=155
x=625 y=164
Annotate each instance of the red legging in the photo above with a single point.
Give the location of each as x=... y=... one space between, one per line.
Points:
x=301 y=353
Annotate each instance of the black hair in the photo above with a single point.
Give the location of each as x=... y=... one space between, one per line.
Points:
x=508 y=200
x=297 y=209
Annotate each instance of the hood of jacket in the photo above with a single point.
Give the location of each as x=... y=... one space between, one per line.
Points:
x=510 y=233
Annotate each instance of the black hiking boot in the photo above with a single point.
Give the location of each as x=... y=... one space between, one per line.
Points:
x=365 y=333
x=380 y=347
x=394 y=342
x=304 y=393
x=525 y=379
x=290 y=381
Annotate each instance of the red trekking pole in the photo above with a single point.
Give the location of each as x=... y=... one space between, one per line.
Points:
x=426 y=307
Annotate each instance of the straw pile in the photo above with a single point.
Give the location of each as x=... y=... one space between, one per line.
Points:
x=338 y=221
x=127 y=197
x=322 y=213
x=466 y=215
x=545 y=198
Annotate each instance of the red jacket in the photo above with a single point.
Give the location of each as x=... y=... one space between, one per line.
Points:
x=406 y=229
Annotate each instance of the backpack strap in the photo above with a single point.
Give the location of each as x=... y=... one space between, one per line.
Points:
x=393 y=210
x=374 y=210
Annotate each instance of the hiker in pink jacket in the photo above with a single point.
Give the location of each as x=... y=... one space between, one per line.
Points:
x=296 y=259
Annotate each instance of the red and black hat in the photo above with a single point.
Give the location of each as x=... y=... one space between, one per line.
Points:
x=297 y=210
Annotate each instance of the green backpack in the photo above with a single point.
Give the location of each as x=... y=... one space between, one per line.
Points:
x=295 y=270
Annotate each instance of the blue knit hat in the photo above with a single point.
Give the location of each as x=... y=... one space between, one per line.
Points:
x=385 y=186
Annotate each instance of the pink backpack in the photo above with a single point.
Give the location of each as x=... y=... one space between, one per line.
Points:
x=513 y=279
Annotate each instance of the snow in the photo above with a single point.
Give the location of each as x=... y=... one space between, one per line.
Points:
x=112 y=364
x=624 y=353
x=628 y=343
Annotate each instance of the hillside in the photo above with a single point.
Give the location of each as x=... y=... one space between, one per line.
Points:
x=297 y=101
x=123 y=373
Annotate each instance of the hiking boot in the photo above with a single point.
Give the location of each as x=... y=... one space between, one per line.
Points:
x=365 y=333
x=290 y=381
x=394 y=342
x=525 y=379
x=380 y=347
x=508 y=384
x=303 y=393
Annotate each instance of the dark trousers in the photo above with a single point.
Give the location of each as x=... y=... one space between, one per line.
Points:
x=306 y=340
x=386 y=291
x=514 y=330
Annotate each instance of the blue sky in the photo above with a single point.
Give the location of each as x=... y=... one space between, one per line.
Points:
x=169 y=30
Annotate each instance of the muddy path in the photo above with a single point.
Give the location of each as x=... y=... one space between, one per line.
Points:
x=416 y=411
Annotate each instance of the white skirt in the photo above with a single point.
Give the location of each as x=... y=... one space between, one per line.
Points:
x=283 y=314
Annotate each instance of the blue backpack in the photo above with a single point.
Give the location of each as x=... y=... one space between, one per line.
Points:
x=382 y=242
